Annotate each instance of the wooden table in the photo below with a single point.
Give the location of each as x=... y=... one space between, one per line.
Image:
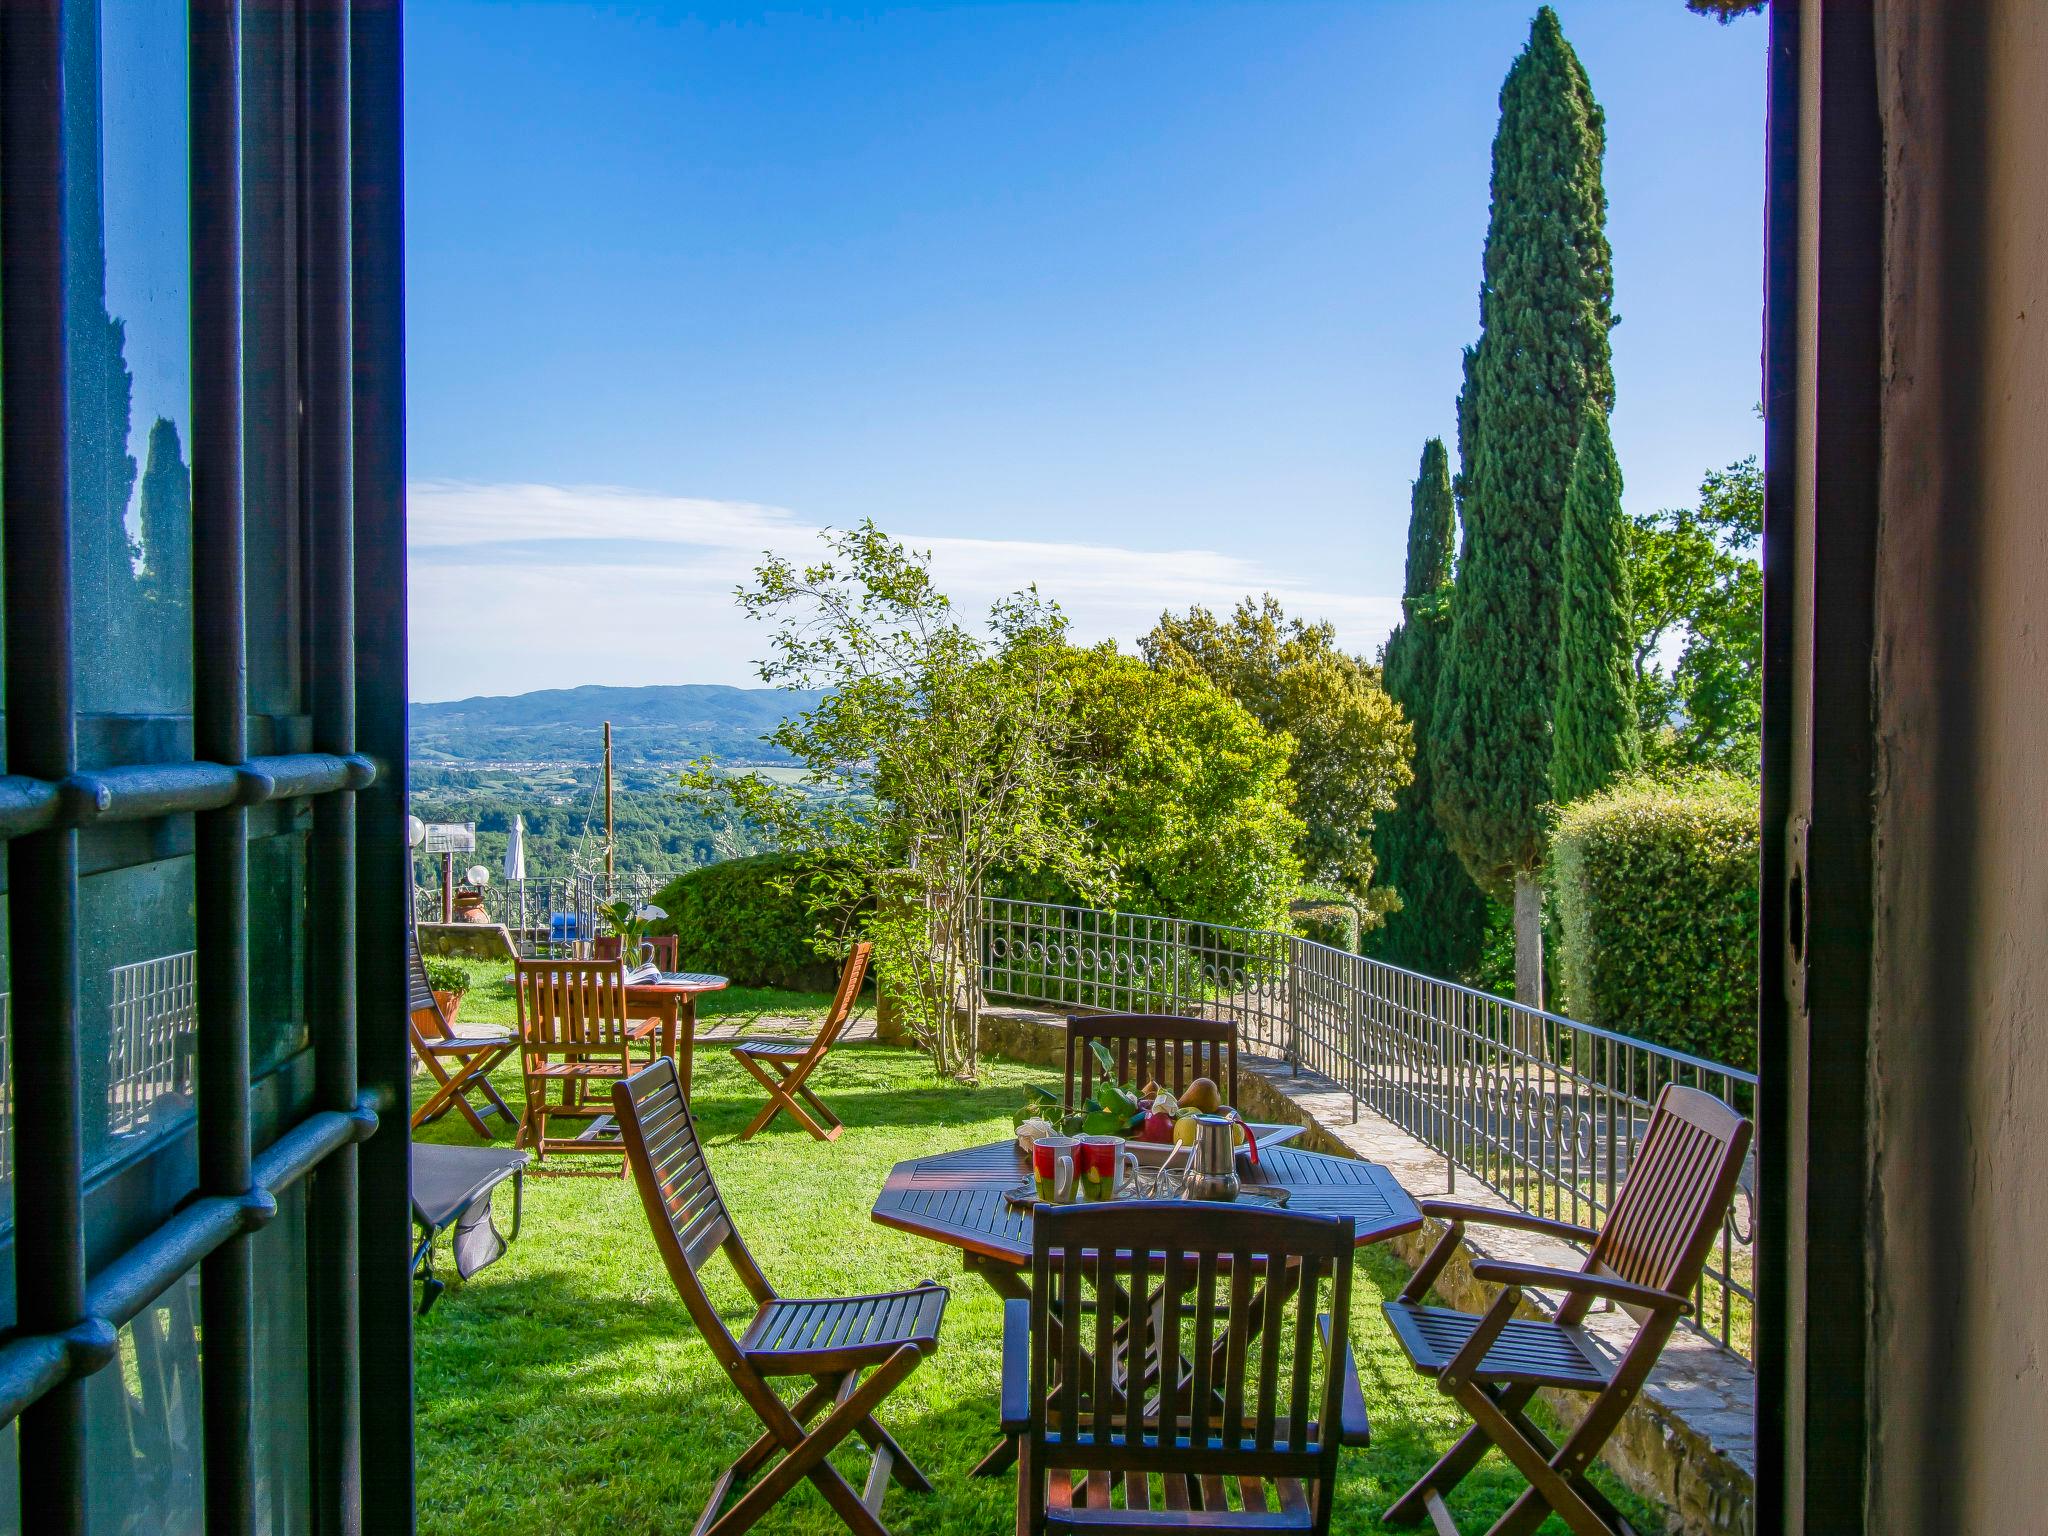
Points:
x=956 y=1198
x=673 y=1000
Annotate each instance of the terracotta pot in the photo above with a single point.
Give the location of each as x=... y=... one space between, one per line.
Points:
x=451 y=1004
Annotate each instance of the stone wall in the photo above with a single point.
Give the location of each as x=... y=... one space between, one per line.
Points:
x=1689 y=1441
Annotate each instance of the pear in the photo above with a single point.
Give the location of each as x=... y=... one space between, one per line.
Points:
x=1201 y=1095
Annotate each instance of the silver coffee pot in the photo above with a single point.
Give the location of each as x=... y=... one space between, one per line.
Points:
x=1213 y=1173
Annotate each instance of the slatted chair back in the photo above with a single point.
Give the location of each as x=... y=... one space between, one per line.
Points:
x=428 y=1022
x=1680 y=1182
x=1239 y=1391
x=681 y=1199
x=1152 y=1047
x=571 y=1009
x=667 y=949
x=844 y=996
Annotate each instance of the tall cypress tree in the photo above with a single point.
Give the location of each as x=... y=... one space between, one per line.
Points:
x=1595 y=738
x=1545 y=308
x=1443 y=916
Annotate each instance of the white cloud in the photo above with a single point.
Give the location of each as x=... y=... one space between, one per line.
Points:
x=516 y=587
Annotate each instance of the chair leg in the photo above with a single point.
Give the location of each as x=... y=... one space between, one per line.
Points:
x=1549 y=1485
x=1452 y=1466
x=768 y=1111
x=806 y=1459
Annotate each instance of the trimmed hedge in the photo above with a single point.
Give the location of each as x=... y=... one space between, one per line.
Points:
x=1656 y=899
x=729 y=918
x=1326 y=916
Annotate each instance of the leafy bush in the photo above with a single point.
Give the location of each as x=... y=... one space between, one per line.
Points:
x=1323 y=915
x=1656 y=891
x=446 y=975
x=734 y=919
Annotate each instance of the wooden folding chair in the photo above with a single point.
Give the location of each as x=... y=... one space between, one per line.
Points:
x=1171 y=1370
x=573 y=1035
x=459 y=1064
x=781 y=1066
x=853 y=1350
x=1646 y=1256
x=1156 y=1047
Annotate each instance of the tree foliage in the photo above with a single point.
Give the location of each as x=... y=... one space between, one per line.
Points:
x=1695 y=586
x=1182 y=797
x=1546 y=306
x=935 y=759
x=1724 y=11
x=1595 y=737
x=1351 y=746
x=1441 y=914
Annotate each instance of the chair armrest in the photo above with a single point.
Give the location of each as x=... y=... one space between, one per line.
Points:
x=1016 y=1401
x=1543 y=1278
x=1353 y=1428
x=1489 y=1216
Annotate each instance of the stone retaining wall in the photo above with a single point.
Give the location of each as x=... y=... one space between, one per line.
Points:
x=1689 y=1441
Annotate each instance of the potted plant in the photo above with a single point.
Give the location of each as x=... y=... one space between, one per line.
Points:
x=449 y=979
x=632 y=924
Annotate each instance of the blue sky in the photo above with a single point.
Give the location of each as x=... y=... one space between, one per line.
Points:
x=1151 y=303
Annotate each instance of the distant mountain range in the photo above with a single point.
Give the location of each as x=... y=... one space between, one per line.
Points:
x=669 y=725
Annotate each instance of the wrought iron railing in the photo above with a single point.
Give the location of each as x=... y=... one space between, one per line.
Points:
x=1540 y=1108
x=552 y=915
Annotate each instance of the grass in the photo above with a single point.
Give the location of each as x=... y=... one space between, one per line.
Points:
x=563 y=1390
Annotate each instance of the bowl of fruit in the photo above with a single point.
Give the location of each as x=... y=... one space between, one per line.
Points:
x=1154 y=1121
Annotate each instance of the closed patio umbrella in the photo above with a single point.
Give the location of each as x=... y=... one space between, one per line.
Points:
x=515 y=867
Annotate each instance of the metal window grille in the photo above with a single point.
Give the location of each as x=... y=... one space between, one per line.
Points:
x=89 y=1261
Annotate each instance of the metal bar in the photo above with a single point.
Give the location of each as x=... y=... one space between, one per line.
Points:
x=31 y=1364
x=329 y=490
x=49 y=1216
x=377 y=293
x=220 y=730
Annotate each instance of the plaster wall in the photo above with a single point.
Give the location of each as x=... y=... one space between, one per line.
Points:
x=1959 y=1045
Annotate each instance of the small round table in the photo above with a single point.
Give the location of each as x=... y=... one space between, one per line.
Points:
x=956 y=1198
x=672 y=998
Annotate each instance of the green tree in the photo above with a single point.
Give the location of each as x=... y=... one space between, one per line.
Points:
x=1351 y=746
x=1545 y=308
x=1182 y=796
x=935 y=759
x=1695 y=585
x=1724 y=11
x=1438 y=926
x=1595 y=739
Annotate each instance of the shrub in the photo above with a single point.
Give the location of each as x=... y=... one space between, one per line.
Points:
x=1656 y=892
x=1324 y=915
x=446 y=975
x=731 y=918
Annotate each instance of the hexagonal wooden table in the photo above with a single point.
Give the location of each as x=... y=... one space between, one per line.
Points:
x=956 y=1198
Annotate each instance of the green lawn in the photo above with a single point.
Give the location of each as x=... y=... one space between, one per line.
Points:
x=564 y=1390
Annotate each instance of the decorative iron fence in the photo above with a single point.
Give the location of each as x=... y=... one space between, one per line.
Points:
x=1542 y=1109
x=551 y=916
x=151 y=1043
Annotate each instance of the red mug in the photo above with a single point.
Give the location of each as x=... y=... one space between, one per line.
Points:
x=1053 y=1169
x=1100 y=1165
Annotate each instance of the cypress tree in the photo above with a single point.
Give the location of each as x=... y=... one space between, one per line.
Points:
x=1545 y=308
x=1443 y=916
x=1595 y=738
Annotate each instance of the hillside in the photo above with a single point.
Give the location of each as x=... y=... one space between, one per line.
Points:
x=537 y=755
x=667 y=725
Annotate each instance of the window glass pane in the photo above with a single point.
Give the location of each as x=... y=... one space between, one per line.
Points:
x=128 y=291
x=277 y=948
x=143 y=1427
x=136 y=979
x=284 y=1476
